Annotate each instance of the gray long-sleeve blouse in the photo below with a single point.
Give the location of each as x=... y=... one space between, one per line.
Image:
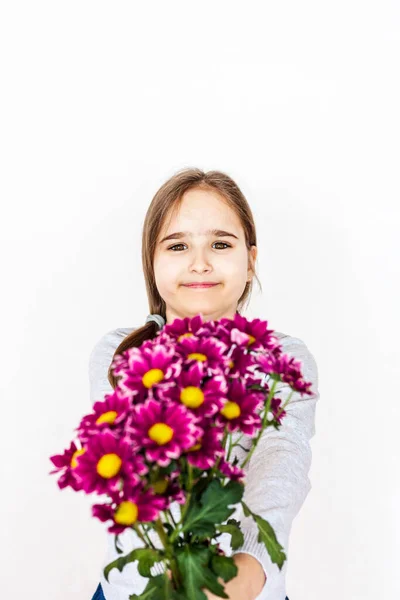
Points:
x=276 y=481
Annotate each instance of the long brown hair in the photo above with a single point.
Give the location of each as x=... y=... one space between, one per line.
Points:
x=165 y=202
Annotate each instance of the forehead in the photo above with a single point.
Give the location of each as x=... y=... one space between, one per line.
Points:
x=201 y=210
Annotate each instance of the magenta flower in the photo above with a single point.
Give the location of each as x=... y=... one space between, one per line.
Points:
x=134 y=505
x=66 y=464
x=208 y=351
x=107 y=414
x=240 y=410
x=232 y=471
x=148 y=368
x=107 y=462
x=174 y=492
x=122 y=361
x=168 y=486
x=239 y=363
x=207 y=449
x=274 y=409
x=202 y=398
x=251 y=334
x=288 y=367
x=187 y=327
x=163 y=429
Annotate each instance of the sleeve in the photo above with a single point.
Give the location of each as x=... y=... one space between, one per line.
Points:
x=99 y=362
x=276 y=481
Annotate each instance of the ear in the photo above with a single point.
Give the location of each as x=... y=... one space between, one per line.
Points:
x=252 y=263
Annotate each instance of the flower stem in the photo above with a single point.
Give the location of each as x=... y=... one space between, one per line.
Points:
x=140 y=534
x=216 y=464
x=172 y=517
x=283 y=407
x=229 y=449
x=185 y=507
x=148 y=540
x=237 y=441
x=168 y=547
x=266 y=411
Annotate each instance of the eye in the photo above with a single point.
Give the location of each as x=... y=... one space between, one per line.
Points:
x=224 y=243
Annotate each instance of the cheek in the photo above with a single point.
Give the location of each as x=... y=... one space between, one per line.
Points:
x=166 y=272
x=235 y=268
x=166 y=265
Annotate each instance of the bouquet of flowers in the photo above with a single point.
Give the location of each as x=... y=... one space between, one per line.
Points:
x=166 y=434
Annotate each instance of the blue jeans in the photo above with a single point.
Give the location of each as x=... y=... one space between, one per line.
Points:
x=99 y=595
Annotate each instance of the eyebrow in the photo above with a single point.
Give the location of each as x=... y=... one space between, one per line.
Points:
x=180 y=234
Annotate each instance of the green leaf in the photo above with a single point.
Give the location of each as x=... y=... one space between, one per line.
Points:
x=200 y=486
x=267 y=535
x=232 y=527
x=224 y=567
x=213 y=506
x=146 y=557
x=203 y=530
x=193 y=566
x=158 y=588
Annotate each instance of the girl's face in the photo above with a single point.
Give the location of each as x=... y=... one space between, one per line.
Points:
x=197 y=255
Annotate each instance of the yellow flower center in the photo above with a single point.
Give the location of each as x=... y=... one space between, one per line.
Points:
x=109 y=465
x=252 y=339
x=152 y=377
x=107 y=417
x=231 y=364
x=197 y=356
x=185 y=335
x=230 y=410
x=161 y=433
x=192 y=396
x=74 y=462
x=126 y=513
x=160 y=486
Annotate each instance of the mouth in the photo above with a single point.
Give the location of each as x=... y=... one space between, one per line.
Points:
x=200 y=285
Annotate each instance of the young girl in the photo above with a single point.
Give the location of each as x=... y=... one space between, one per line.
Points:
x=199 y=229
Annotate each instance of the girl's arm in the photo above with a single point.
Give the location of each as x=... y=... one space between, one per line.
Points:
x=277 y=482
x=247 y=584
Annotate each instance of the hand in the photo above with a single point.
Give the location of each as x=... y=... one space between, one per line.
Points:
x=247 y=584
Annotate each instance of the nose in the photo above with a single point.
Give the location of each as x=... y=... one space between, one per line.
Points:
x=200 y=264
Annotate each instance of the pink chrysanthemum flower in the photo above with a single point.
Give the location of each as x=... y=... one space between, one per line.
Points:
x=207 y=449
x=208 y=351
x=66 y=464
x=107 y=461
x=107 y=414
x=252 y=334
x=239 y=363
x=233 y=472
x=202 y=398
x=289 y=368
x=187 y=327
x=135 y=505
x=240 y=410
x=121 y=361
x=168 y=487
x=274 y=409
x=148 y=368
x=163 y=429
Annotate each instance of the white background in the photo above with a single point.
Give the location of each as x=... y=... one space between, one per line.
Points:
x=299 y=103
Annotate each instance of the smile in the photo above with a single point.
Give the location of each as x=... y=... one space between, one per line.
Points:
x=200 y=286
